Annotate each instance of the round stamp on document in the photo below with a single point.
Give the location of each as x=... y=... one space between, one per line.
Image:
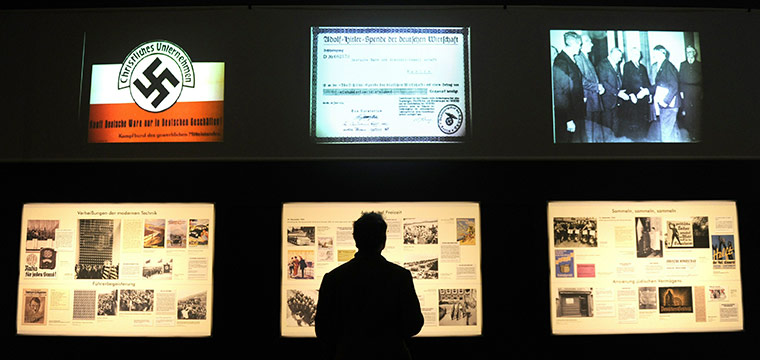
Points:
x=450 y=119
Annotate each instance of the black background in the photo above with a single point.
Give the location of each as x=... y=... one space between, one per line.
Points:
x=510 y=166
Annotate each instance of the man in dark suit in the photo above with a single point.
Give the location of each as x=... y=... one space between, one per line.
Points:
x=666 y=97
x=609 y=77
x=591 y=89
x=569 y=109
x=368 y=307
x=690 y=84
x=635 y=113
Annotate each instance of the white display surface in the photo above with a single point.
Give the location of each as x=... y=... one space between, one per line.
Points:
x=116 y=270
x=377 y=85
x=644 y=267
x=438 y=242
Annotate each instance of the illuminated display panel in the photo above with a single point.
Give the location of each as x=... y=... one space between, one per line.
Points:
x=116 y=270
x=644 y=267
x=390 y=85
x=439 y=243
x=156 y=93
x=626 y=86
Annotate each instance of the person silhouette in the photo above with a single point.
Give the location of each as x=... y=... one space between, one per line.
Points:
x=367 y=307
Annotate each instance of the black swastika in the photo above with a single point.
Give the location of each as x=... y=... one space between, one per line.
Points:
x=155 y=82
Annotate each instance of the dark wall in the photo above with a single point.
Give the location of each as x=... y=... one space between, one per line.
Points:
x=266 y=55
x=511 y=166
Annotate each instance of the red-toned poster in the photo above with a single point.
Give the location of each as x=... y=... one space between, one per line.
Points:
x=157 y=94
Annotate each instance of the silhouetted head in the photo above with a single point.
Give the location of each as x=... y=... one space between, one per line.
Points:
x=369 y=232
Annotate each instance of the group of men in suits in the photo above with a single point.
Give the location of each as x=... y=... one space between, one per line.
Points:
x=626 y=105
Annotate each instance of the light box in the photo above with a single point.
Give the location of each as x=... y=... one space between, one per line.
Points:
x=116 y=270
x=390 y=85
x=439 y=243
x=644 y=267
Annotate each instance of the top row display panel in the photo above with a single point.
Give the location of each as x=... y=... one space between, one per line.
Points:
x=387 y=83
x=412 y=85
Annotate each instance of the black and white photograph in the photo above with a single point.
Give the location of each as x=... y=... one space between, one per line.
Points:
x=647 y=298
x=325 y=249
x=302 y=235
x=700 y=229
x=649 y=237
x=302 y=308
x=108 y=303
x=158 y=268
x=177 y=234
x=457 y=307
x=40 y=234
x=575 y=302
x=422 y=266
x=191 y=305
x=135 y=300
x=612 y=86
x=575 y=232
x=98 y=249
x=420 y=231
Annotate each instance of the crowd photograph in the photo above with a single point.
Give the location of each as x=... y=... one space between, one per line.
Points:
x=135 y=300
x=192 y=307
x=626 y=86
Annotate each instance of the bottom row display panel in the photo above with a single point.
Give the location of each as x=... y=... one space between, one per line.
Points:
x=644 y=267
x=116 y=270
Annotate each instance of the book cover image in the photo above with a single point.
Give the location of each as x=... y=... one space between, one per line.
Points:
x=564 y=263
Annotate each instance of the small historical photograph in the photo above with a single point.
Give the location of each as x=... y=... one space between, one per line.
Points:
x=302 y=308
x=647 y=298
x=191 y=305
x=302 y=235
x=40 y=234
x=325 y=249
x=420 y=231
x=35 y=302
x=135 y=300
x=108 y=303
x=300 y=264
x=613 y=86
x=466 y=231
x=701 y=232
x=575 y=302
x=648 y=237
x=153 y=236
x=675 y=299
x=198 y=232
x=98 y=249
x=457 y=307
x=575 y=232
x=158 y=268
x=177 y=234
x=422 y=266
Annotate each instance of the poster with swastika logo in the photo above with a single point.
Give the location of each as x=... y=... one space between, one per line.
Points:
x=156 y=94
